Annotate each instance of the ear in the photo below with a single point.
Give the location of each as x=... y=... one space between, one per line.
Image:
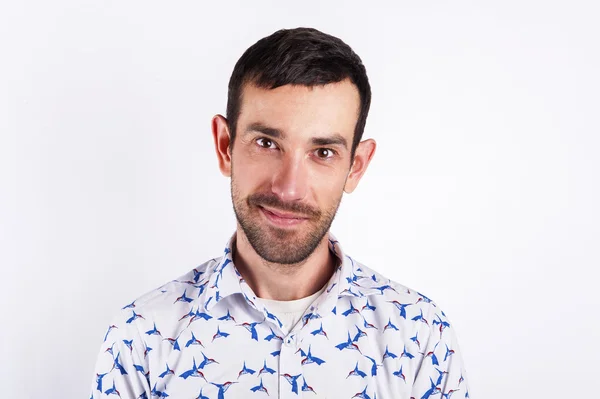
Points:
x=362 y=157
x=222 y=140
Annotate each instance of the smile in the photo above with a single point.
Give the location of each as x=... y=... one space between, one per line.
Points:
x=281 y=219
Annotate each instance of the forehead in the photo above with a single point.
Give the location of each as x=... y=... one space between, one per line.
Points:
x=300 y=110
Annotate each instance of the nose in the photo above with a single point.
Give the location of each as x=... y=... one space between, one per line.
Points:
x=290 y=180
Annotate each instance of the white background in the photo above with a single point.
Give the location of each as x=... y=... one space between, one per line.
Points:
x=483 y=193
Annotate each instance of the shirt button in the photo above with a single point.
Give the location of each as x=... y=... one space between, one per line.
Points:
x=289 y=341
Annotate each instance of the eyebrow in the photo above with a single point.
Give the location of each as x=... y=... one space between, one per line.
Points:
x=334 y=139
x=269 y=131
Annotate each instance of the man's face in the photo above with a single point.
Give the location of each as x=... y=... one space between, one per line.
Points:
x=289 y=165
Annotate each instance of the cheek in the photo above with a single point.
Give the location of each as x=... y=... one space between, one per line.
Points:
x=250 y=176
x=328 y=189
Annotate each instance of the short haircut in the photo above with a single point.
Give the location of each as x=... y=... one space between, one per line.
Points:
x=301 y=56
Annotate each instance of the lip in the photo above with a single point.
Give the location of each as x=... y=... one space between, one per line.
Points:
x=281 y=219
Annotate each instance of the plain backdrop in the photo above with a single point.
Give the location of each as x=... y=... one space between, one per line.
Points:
x=483 y=193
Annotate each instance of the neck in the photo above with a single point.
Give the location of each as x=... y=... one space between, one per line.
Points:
x=283 y=282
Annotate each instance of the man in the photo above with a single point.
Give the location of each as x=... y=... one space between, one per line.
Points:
x=284 y=312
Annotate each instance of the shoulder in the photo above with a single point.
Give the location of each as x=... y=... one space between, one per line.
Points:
x=161 y=301
x=409 y=302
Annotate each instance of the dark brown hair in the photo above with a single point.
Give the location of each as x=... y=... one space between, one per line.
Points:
x=301 y=56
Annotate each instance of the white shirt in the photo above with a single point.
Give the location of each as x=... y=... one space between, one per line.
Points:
x=290 y=312
x=207 y=335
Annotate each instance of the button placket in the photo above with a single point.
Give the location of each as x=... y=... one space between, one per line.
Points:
x=290 y=367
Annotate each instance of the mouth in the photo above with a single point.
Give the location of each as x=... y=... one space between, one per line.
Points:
x=281 y=218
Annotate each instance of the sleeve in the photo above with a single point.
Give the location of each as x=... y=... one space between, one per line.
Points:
x=120 y=369
x=442 y=369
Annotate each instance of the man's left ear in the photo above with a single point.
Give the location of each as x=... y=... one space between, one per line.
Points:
x=362 y=157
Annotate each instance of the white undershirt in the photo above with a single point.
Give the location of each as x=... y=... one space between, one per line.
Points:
x=290 y=312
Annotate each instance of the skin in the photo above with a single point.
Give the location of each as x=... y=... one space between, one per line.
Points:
x=276 y=164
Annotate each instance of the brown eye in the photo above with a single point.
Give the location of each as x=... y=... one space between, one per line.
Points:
x=325 y=153
x=264 y=143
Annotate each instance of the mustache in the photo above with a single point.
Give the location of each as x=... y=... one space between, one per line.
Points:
x=273 y=201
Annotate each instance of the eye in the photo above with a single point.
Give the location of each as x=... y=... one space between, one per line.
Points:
x=325 y=153
x=264 y=142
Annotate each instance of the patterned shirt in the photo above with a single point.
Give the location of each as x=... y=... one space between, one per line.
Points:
x=207 y=335
x=290 y=312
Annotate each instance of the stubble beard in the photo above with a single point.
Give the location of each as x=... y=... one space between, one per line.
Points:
x=279 y=245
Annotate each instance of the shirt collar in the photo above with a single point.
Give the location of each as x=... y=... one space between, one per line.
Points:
x=350 y=279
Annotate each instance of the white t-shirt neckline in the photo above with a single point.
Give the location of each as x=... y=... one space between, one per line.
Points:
x=290 y=312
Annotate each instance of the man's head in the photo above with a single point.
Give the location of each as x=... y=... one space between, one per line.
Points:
x=301 y=56
x=297 y=107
